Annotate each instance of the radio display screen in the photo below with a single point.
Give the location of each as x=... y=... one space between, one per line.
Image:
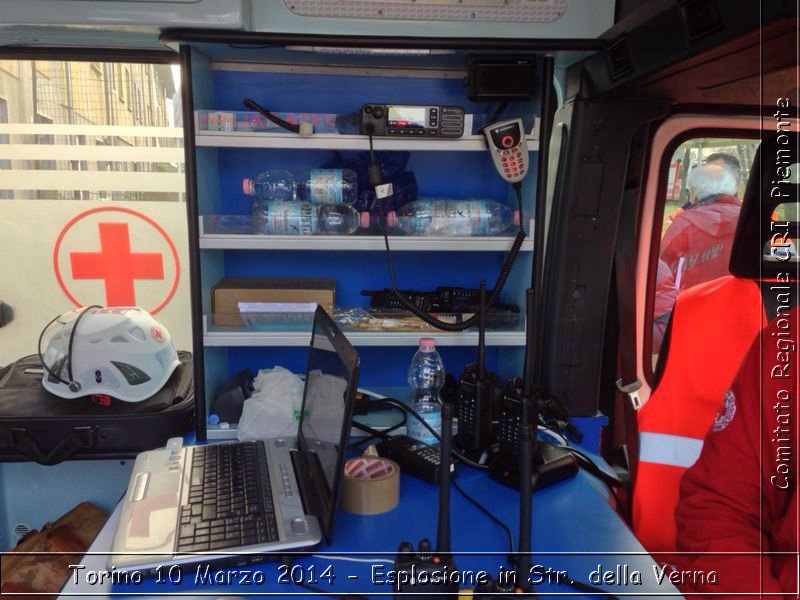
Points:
x=407 y=116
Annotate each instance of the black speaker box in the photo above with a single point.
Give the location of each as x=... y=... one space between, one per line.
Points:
x=501 y=79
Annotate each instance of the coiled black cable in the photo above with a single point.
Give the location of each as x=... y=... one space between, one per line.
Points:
x=375 y=180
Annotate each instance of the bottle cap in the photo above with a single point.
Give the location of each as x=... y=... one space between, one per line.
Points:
x=365 y=220
x=213 y=419
x=247 y=186
x=427 y=344
x=516 y=217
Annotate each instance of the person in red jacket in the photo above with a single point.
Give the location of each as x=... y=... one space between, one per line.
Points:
x=723 y=159
x=697 y=244
x=741 y=494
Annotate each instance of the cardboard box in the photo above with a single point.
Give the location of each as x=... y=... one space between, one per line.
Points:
x=226 y=295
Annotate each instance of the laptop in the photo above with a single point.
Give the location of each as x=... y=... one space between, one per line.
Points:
x=230 y=500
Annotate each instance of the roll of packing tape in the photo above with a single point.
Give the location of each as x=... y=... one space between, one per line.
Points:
x=371 y=485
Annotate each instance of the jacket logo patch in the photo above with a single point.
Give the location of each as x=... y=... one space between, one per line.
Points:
x=726 y=413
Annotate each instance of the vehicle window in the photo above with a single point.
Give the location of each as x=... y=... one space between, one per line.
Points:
x=705 y=183
x=91 y=194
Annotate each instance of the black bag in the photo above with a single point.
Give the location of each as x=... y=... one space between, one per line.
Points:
x=37 y=425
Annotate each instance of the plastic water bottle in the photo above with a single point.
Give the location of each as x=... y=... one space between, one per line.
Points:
x=404 y=191
x=426 y=378
x=445 y=217
x=271 y=186
x=328 y=186
x=305 y=218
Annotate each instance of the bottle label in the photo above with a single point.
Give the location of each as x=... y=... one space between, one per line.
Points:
x=288 y=218
x=459 y=217
x=327 y=186
x=418 y=431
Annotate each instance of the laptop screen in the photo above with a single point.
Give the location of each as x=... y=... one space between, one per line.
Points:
x=331 y=382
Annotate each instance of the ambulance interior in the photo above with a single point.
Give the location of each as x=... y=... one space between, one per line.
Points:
x=630 y=99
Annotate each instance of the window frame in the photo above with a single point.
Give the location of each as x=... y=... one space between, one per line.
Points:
x=658 y=222
x=670 y=135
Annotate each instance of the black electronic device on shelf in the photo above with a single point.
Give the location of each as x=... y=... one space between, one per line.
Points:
x=414 y=457
x=405 y=120
x=475 y=399
x=458 y=302
x=424 y=574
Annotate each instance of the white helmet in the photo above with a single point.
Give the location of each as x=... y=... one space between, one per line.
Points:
x=122 y=352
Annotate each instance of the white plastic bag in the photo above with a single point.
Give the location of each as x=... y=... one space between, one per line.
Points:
x=274 y=408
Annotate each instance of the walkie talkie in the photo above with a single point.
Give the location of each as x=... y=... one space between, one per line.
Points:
x=507 y=586
x=553 y=463
x=476 y=395
x=424 y=574
x=414 y=457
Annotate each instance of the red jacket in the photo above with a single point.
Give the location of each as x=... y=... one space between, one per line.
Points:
x=733 y=498
x=666 y=293
x=702 y=236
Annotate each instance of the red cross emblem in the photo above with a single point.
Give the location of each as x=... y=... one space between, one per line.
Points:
x=120 y=263
x=157 y=334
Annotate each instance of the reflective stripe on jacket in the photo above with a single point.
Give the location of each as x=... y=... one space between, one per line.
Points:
x=713 y=325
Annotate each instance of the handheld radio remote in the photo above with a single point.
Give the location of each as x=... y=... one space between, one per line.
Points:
x=415 y=458
x=509 y=150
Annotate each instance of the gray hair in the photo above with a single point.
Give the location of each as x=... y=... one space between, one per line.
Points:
x=711 y=180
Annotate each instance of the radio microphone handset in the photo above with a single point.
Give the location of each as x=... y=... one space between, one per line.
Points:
x=508 y=148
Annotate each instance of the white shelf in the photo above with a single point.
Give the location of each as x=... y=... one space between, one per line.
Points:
x=335 y=141
x=210 y=241
x=357 y=338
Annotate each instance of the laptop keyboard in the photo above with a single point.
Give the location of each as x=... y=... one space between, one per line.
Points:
x=230 y=499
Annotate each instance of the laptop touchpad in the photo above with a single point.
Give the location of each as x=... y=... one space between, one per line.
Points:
x=153 y=511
